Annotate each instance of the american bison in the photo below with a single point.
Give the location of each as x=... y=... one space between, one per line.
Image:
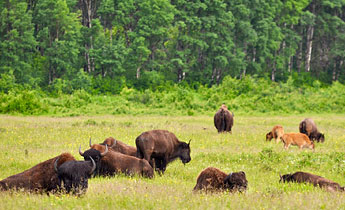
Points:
x=120 y=147
x=276 y=133
x=162 y=146
x=74 y=175
x=40 y=178
x=223 y=119
x=308 y=127
x=109 y=162
x=304 y=177
x=212 y=179
x=299 y=139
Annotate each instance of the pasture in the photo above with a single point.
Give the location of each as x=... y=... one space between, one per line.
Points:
x=26 y=141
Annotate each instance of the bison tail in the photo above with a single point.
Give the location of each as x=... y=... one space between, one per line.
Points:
x=140 y=153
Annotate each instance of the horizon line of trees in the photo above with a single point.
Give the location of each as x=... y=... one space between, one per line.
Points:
x=107 y=44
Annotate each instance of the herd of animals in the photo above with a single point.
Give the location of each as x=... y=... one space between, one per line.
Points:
x=154 y=150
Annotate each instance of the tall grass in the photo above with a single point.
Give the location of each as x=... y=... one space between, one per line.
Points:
x=45 y=137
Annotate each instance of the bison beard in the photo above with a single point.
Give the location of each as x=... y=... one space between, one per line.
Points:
x=40 y=178
x=212 y=180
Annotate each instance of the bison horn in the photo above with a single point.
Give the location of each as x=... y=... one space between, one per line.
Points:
x=189 y=141
x=90 y=142
x=280 y=175
x=93 y=166
x=55 y=164
x=106 y=151
x=80 y=152
x=114 y=143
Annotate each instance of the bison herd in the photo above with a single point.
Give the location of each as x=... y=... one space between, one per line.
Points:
x=154 y=150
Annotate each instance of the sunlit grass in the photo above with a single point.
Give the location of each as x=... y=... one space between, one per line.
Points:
x=26 y=141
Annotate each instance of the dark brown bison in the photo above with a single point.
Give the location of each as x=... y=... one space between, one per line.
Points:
x=276 y=133
x=75 y=175
x=213 y=179
x=40 y=178
x=223 y=119
x=304 y=177
x=308 y=127
x=120 y=147
x=162 y=146
x=299 y=139
x=109 y=162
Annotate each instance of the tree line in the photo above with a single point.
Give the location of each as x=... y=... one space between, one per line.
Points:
x=108 y=44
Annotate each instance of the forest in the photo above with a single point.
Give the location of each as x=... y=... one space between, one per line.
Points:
x=105 y=47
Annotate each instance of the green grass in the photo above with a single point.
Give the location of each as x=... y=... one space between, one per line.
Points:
x=246 y=149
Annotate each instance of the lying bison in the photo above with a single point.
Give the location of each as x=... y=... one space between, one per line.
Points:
x=109 y=162
x=299 y=139
x=119 y=146
x=304 y=177
x=212 y=179
x=276 y=133
x=162 y=146
x=74 y=175
x=223 y=119
x=308 y=127
x=40 y=178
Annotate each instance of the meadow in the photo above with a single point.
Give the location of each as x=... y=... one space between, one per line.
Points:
x=26 y=141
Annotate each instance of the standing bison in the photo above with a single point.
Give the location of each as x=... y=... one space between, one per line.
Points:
x=276 y=133
x=223 y=119
x=304 y=177
x=308 y=127
x=162 y=147
x=40 y=178
x=74 y=175
x=299 y=139
x=119 y=146
x=212 y=179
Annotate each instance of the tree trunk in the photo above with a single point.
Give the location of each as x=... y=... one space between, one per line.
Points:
x=310 y=36
x=334 y=74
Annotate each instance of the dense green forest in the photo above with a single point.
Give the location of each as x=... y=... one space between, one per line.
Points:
x=196 y=52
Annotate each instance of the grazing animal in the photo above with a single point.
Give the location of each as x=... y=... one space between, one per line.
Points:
x=109 y=162
x=308 y=127
x=162 y=147
x=304 y=177
x=213 y=179
x=40 y=178
x=223 y=119
x=75 y=174
x=119 y=146
x=276 y=133
x=299 y=139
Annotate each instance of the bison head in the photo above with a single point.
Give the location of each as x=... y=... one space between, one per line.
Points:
x=184 y=151
x=320 y=137
x=236 y=181
x=285 y=178
x=269 y=136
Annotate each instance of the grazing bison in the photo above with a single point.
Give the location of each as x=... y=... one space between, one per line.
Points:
x=304 y=177
x=120 y=147
x=223 y=119
x=213 y=179
x=75 y=174
x=276 y=133
x=40 y=178
x=162 y=146
x=299 y=139
x=308 y=127
x=109 y=162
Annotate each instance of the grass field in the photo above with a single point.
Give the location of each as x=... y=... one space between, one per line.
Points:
x=26 y=141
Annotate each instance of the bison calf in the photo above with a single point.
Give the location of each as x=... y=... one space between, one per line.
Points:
x=223 y=119
x=299 y=139
x=276 y=133
x=119 y=146
x=75 y=174
x=304 y=177
x=213 y=179
x=308 y=127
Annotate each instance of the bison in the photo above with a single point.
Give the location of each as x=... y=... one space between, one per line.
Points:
x=308 y=127
x=109 y=162
x=276 y=133
x=75 y=174
x=304 y=177
x=299 y=139
x=223 y=119
x=40 y=178
x=162 y=147
x=212 y=179
x=119 y=146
